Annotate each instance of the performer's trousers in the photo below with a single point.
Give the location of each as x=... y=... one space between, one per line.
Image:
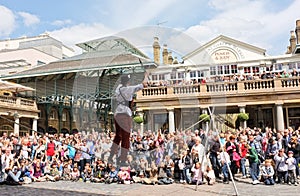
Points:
x=123 y=123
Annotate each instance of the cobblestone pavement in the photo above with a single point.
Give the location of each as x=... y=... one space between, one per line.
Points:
x=79 y=188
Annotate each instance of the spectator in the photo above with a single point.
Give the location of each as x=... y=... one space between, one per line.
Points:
x=268 y=173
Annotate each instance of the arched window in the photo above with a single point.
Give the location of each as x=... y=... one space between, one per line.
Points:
x=53 y=114
x=64 y=116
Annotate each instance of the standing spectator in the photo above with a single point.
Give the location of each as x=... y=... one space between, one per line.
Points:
x=213 y=156
x=294 y=146
x=291 y=162
x=281 y=166
x=233 y=149
x=253 y=161
x=50 y=149
x=243 y=153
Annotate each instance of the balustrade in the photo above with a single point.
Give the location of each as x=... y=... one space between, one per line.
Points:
x=290 y=82
x=258 y=84
x=248 y=86
x=16 y=102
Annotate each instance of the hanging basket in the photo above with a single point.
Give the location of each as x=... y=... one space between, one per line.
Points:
x=243 y=116
x=204 y=117
x=138 y=119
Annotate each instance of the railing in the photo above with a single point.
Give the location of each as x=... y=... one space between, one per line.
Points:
x=152 y=91
x=17 y=102
x=248 y=87
x=221 y=87
x=258 y=84
x=186 y=89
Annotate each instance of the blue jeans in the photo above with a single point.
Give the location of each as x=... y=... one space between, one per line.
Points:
x=243 y=166
x=215 y=164
x=187 y=175
x=225 y=171
x=254 y=171
x=13 y=176
x=269 y=181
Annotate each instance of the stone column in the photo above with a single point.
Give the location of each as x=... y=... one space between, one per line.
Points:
x=279 y=117
x=17 y=125
x=242 y=109
x=34 y=125
x=171 y=120
x=205 y=124
x=140 y=113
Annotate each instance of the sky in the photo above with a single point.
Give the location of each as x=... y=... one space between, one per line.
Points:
x=262 y=23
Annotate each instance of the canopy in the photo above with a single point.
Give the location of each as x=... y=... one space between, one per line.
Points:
x=13 y=87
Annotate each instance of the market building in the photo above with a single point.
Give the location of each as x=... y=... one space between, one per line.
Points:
x=224 y=76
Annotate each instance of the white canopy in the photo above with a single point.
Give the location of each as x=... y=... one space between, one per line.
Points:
x=13 y=87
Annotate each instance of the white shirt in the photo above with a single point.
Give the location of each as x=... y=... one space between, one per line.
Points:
x=5 y=160
x=127 y=93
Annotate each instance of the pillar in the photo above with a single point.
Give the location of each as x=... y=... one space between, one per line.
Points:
x=279 y=117
x=242 y=109
x=34 y=125
x=140 y=113
x=204 y=124
x=17 y=125
x=171 y=121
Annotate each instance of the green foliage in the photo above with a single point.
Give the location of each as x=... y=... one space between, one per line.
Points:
x=243 y=116
x=204 y=117
x=138 y=119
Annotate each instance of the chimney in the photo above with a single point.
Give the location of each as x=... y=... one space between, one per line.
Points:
x=288 y=50
x=292 y=41
x=170 y=58
x=156 y=50
x=175 y=61
x=165 y=55
x=297 y=30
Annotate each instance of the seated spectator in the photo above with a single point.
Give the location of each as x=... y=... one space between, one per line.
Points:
x=124 y=175
x=209 y=175
x=197 y=174
x=112 y=175
x=75 y=174
x=268 y=173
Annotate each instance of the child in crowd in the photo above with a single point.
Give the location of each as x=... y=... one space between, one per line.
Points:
x=225 y=162
x=197 y=173
x=112 y=176
x=209 y=175
x=268 y=173
x=124 y=175
x=291 y=162
x=75 y=174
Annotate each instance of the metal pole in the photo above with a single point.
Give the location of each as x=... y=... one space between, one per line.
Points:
x=230 y=173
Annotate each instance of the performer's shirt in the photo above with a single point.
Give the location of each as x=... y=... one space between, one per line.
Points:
x=127 y=92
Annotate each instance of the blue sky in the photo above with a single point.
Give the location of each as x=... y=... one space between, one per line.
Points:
x=263 y=23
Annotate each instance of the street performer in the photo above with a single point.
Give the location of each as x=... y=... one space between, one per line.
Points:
x=123 y=121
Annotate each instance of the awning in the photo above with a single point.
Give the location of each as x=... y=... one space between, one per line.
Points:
x=13 y=87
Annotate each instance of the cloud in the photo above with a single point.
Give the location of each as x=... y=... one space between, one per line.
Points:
x=250 y=21
x=7 y=22
x=80 y=33
x=61 y=22
x=29 y=19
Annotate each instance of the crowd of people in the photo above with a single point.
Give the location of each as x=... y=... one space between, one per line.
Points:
x=154 y=157
x=233 y=78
